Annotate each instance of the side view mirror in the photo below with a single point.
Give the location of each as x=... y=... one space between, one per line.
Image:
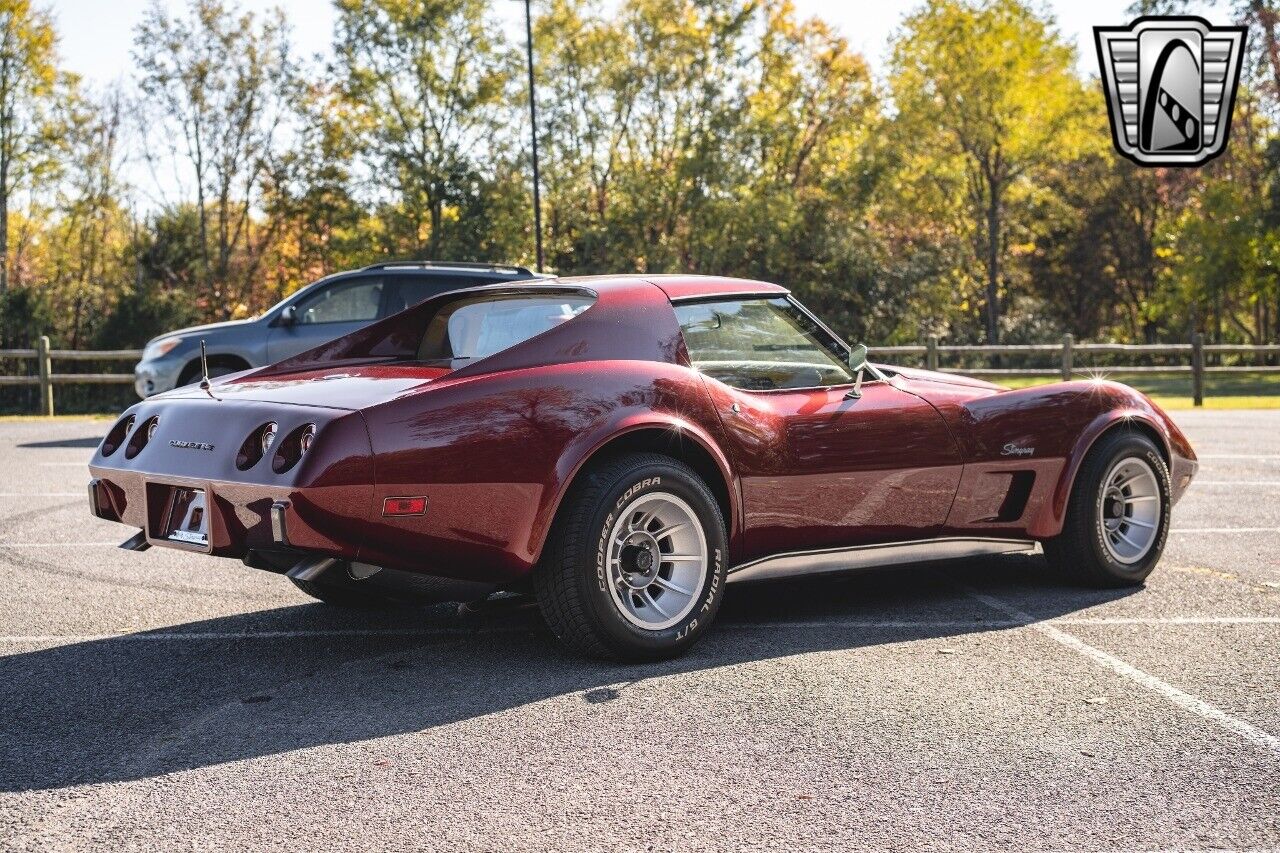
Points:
x=858 y=366
x=858 y=358
x=289 y=316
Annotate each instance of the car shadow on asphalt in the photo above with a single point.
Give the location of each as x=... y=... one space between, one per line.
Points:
x=268 y=682
x=91 y=443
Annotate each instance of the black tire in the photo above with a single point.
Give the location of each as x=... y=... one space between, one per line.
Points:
x=216 y=369
x=572 y=581
x=1080 y=551
x=343 y=594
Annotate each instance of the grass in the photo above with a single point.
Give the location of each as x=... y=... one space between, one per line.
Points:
x=1173 y=391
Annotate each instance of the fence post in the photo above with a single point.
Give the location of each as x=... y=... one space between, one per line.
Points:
x=1197 y=368
x=1068 y=341
x=45 y=366
x=931 y=352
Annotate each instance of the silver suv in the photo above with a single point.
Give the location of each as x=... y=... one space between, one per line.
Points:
x=319 y=312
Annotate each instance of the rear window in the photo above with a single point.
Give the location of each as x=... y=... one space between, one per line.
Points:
x=480 y=326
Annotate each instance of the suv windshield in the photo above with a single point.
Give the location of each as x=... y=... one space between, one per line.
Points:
x=483 y=325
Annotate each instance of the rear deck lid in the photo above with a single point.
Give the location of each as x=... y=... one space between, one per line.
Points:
x=339 y=387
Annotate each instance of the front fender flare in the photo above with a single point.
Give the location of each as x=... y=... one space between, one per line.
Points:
x=1048 y=522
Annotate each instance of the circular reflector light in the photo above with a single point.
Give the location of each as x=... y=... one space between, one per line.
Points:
x=308 y=436
x=268 y=437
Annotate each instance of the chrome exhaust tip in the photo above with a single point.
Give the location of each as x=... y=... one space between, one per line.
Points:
x=311 y=568
x=136 y=542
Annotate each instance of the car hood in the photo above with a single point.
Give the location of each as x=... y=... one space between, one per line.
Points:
x=336 y=387
x=918 y=375
x=191 y=331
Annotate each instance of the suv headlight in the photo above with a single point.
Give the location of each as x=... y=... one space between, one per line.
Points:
x=160 y=348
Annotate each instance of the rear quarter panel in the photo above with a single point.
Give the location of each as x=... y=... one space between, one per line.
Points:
x=494 y=455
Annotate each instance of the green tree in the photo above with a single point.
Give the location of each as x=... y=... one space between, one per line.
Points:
x=222 y=85
x=28 y=91
x=987 y=91
x=426 y=84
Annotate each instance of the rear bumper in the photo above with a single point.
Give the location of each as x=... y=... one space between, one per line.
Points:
x=241 y=516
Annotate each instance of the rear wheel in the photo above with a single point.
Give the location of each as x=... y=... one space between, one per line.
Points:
x=634 y=568
x=1118 y=514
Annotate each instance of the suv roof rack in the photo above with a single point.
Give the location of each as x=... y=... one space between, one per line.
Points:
x=459 y=265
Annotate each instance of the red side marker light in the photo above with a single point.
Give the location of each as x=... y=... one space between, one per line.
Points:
x=404 y=506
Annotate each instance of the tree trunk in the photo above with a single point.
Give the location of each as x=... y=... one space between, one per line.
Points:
x=4 y=237
x=993 y=265
x=4 y=224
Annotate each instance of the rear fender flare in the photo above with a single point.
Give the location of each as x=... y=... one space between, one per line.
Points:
x=580 y=452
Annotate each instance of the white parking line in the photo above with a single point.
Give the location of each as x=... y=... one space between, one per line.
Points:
x=1238 y=456
x=1235 y=482
x=1225 y=530
x=1180 y=698
x=59 y=544
x=42 y=494
x=1013 y=623
x=947 y=624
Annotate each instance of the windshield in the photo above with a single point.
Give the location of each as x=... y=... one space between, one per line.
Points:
x=761 y=345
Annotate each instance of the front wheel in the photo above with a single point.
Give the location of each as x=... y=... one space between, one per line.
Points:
x=635 y=565
x=1118 y=514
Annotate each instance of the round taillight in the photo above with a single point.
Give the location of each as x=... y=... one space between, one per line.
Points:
x=256 y=445
x=117 y=435
x=308 y=436
x=268 y=437
x=290 y=448
x=139 y=437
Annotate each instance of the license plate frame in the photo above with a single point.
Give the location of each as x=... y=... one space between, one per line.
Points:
x=186 y=517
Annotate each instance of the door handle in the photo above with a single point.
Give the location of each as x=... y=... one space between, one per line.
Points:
x=735 y=408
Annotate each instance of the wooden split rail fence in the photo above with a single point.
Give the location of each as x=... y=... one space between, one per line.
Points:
x=929 y=354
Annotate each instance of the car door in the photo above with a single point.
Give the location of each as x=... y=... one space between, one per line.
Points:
x=818 y=467
x=326 y=313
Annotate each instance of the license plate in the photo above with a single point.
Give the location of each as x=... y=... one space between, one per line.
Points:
x=188 y=517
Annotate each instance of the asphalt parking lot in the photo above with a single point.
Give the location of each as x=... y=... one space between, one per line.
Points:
x=161 y=701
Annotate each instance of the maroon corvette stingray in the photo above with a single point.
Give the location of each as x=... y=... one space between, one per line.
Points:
x=622 y=447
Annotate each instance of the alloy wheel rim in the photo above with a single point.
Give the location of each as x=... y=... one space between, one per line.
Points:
x=1129 y=510
x=657 y=561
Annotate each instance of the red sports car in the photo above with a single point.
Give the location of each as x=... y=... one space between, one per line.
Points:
x=622 y=447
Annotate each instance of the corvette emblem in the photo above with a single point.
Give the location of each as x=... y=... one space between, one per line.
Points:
x=1170 y=84
x=191 y=445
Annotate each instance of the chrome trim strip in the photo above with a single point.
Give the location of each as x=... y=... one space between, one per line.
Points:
x=872 y=556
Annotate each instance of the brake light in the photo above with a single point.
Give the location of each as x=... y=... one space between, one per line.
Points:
x=405 y=506
x=117 y=436
x=139 y=437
